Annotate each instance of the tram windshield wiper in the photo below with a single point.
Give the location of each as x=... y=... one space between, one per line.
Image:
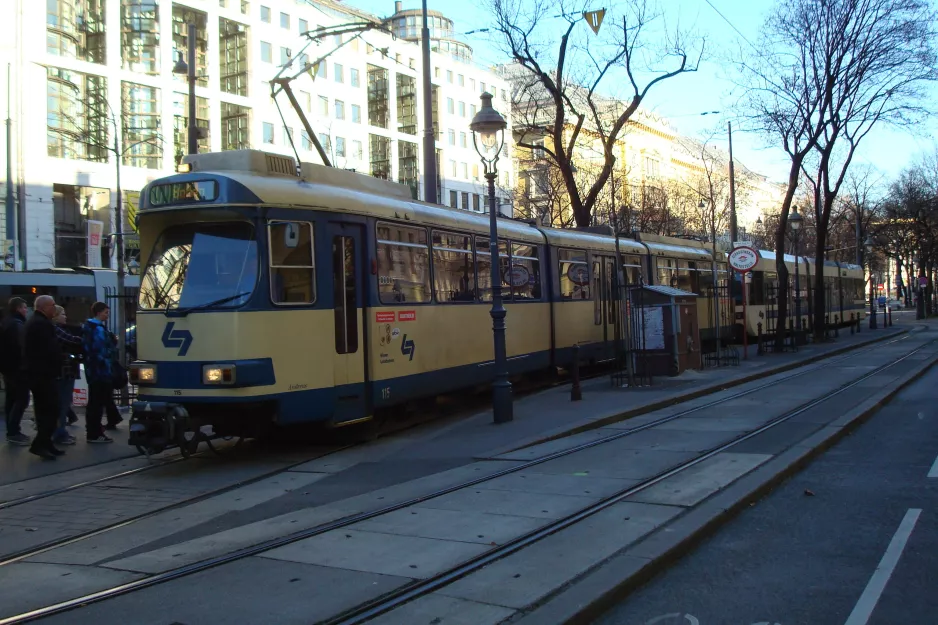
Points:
x=182 y=312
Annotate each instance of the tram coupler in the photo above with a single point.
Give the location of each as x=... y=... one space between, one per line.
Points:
x=154 y=426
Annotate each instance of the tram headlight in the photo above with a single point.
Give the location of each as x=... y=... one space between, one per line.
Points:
x=142 y=374
x=218 y=374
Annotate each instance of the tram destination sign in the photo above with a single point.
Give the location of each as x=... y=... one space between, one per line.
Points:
x=743 y=259
x=183 y=192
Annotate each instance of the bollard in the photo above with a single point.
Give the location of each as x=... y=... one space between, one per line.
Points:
x=576 y=394
x=836 y=326
x=888 y=317
x=858 y=324
x=851 y=323
x=761 y=348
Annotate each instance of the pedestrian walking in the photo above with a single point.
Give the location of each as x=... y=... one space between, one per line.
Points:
x=100 y=355
x=13 y=368
x=43 y=356
x=71 y=348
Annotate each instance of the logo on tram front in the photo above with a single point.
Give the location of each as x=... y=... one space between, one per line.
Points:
x=176 y=338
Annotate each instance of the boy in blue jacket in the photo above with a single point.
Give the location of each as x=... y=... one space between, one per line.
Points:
x=99 y=347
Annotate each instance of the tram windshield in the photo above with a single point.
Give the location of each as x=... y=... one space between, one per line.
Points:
x=211 y=265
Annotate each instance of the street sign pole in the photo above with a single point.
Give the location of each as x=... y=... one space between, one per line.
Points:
x=742 y=259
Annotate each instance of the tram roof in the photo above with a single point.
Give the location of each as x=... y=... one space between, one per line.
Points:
x=242 y=179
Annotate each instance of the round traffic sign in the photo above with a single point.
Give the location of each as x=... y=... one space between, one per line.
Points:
x=743 y=259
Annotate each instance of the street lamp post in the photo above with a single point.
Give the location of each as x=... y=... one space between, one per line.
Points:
x=868 y=245
x=188 y=68
x=488 y=137
x=796 y=221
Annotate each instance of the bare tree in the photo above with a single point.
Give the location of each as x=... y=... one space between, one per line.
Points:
x=563 y=90
x=834 y=70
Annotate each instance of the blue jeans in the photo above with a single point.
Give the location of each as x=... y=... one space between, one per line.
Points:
x=66 y=388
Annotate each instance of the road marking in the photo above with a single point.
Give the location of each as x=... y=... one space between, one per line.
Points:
x=874 y=589
x=933 y=472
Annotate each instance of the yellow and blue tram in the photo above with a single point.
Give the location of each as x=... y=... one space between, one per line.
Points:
x=276 y=297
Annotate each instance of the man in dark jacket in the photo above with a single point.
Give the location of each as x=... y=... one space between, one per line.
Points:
x=99 y=356
x=13 y=369
x=43 y=355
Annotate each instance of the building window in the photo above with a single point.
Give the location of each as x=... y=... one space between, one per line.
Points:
x=235 y=127
x=305 y=141
x=266 y=53
x=357 y=150
x=476 y=202
x=339 y=73
x=436 y=72
x=140 y=36
x=356 y=114
x=233 y=56
x=142 y=143
x=306 y=101
x=340 y=146
x=407 y=104
x=454 y=199
x=181 y=124
x=304 y=26
x=435 y=114
x=451 y=135
x=353 y=77
x=285 y=56
x=475 y=171
x=268 y=133
x=378 y=104
x=464 y=170
x=407 y=166
x=182 y=17
x=245 y=7
x=265 y=14
x=482 y=87
x=403 y=264
x=75 y=29
x=73 y=206
x=462 y=109
x=325 y=142
x=472 y=110
x=472 y=84
x=287 y=135
x=284 y=21
x=339 y=109
x=320 y=69
x=465 y=200
x=304 y=61
x=449 y=76
x=379 y=149
x=452 y=169
x=461 y=80
x=450 y=106
x=77 y=115
x=323 y=106
x=462 y=140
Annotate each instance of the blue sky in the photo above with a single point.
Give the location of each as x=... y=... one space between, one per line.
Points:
x=682 y=99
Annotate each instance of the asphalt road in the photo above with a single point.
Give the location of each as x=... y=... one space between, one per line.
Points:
x=852 y=539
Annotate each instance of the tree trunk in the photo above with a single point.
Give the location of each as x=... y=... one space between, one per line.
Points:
x=781 y=294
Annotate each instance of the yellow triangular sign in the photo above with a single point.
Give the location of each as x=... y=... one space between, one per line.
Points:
x=595 y=19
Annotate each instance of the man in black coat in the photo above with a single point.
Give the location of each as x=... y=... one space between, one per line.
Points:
x=43 y=355
x=13 y=368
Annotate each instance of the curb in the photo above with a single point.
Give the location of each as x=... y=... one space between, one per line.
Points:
x=584 y=600
x=684 y=397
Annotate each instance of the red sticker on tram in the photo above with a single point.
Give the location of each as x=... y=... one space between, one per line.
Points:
x=407 y=315
x=384 y=317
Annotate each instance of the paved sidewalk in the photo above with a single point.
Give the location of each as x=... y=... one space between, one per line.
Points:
x=340 y=569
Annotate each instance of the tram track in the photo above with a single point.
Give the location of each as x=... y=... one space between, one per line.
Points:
x=411 y=591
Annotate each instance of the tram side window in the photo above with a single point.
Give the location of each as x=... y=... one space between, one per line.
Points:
x=757 y=289
x=292 y=265
x=453 y=269
x=525 y=272
x=484 y=269
x=403 y=264
x=597 y=288
x=632 y=266
x=667 y=274
x=684 y=281
x=574 y=275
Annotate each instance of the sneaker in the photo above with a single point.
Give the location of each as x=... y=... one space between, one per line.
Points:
x=18 y=439
x=45 y=454
x=101 y=439
x=65 y=440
